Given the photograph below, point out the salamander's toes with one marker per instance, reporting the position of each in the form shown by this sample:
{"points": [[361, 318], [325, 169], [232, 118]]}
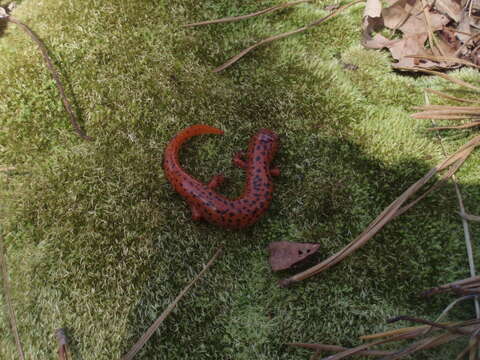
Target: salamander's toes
{"points": [[216, 181], [238, 160], [196, 214], [275, 171]]}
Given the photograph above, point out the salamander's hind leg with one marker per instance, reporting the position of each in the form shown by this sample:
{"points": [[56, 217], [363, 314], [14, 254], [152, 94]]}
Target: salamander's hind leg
{"points": [[275, 171], [239, 160], [216, 181], [196, 214]]}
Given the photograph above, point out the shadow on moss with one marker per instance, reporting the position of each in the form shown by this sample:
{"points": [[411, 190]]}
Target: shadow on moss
{"points": [[393, 268]]}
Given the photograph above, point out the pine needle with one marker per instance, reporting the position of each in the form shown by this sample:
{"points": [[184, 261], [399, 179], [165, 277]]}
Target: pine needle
{"points": [[244, 52], [243, 17]]}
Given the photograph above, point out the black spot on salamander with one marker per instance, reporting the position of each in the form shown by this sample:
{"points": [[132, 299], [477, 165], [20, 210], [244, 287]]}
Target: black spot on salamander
{"points": [[257, 158]]}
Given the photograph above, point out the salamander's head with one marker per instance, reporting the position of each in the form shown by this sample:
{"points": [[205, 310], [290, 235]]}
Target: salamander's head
{"points": [[269, 140]]}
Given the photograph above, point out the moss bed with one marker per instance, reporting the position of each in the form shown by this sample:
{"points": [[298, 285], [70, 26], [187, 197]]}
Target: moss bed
{"points": [[97, 241]]}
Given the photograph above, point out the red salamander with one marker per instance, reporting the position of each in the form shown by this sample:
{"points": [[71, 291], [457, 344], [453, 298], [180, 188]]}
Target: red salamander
{"points": [[205, 203]]}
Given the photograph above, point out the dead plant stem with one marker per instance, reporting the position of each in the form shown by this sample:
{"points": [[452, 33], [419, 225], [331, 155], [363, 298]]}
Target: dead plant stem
{"points": [[244, 52], [243, 17], [55, 75], [151, 330], [466, 230]]}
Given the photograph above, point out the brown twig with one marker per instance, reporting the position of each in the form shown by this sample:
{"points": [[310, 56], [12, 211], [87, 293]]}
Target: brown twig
{"points": [[336, 348], [356, 350], [442, 75], [444, 58], [458, 127], [428, 24], [452, 329], [450, 97], [8, 299], [55, 75], [244, 52], [469, 282], [243, 17], [470, 217], [144, 338]]}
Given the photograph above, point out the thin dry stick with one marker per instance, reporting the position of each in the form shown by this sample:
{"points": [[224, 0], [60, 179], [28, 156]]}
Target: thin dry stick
{"points": [[403, 19], [8, 299], [56, 77], [450, 97], [471, 217], [458, 127], [465, 44], [392, 211], [360, 348], [242, 53], [451, 329], [336, 348], [460, 109], [144, 338], [466, 230], [460, 283], [422, 344], [442, 75], [428, 24], [243, 17], [413, 331], [436, 116], [444, 58]]}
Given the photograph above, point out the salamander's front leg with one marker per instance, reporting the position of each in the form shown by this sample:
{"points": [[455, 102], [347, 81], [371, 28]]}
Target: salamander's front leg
{"points": [[216, 181], [239, 160], [196, 214], [275, 171]]}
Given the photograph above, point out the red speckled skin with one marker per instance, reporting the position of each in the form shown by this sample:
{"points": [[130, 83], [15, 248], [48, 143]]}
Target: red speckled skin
{"points": [[209, 205]]}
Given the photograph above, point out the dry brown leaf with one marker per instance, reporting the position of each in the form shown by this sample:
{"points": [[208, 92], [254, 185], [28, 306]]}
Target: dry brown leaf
{"points": [[409, 44], [284, 254], [452, 33], [373, 8], [451, 8], [414, 22], [397, 14]]}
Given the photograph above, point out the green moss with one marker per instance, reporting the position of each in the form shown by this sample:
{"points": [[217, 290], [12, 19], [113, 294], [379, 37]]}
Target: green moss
{"points": [[99, 243]]}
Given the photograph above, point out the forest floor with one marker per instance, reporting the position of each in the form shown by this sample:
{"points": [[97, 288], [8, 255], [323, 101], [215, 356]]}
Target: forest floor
{"points": [[97, 241]]}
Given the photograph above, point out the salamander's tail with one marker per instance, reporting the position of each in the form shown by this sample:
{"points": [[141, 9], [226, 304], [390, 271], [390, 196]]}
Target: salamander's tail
{"points": [[173, 147]]}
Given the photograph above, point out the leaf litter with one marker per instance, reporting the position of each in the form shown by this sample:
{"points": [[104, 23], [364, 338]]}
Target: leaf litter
{"points": [[440, 34]]}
